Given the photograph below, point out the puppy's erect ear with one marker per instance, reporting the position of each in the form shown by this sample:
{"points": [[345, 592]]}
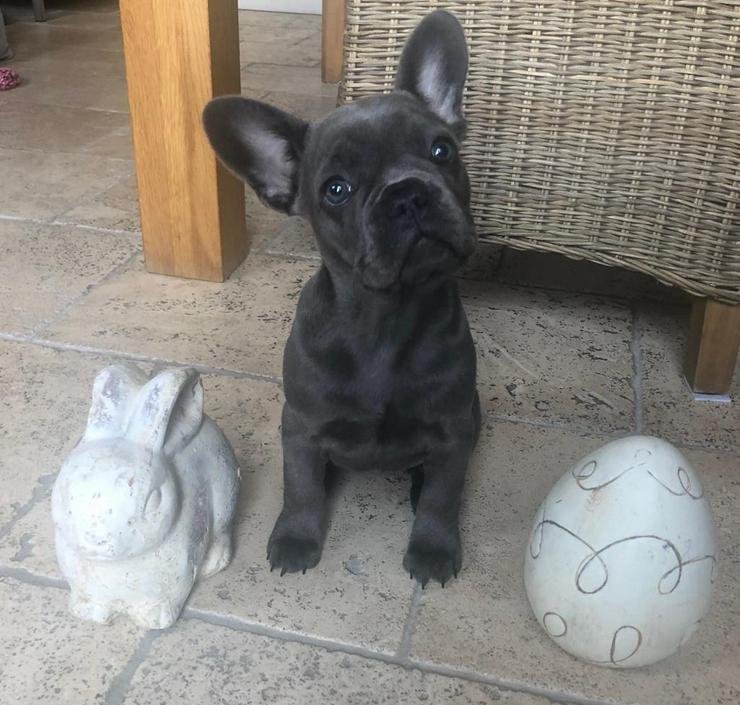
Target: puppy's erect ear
{"points": [[260, 144], [433, 66]]}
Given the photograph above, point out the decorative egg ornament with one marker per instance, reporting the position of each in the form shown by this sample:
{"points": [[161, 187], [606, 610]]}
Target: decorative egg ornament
{"points": [[621, 558]]}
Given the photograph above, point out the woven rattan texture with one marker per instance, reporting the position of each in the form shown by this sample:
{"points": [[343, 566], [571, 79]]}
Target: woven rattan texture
{"points": [[608, 131]]}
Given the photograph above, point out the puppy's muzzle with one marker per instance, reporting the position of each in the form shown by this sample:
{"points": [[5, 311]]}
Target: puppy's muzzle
{"points": [[405, 199]]}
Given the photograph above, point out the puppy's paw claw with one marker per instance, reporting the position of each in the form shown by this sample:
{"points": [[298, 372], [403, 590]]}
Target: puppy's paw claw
{"points": [[293, 554], [427, 562]]}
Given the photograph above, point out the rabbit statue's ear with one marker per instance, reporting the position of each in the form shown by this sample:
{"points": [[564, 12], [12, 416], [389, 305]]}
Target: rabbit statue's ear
{"points": [[113, 392], [168, 411]]}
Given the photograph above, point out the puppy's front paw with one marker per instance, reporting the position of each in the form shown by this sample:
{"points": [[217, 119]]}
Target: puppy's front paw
{"points": [[290, 552], [426, 560]]}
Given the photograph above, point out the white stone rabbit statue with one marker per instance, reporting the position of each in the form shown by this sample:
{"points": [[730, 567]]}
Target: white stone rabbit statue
{"points": [[143, 506]]}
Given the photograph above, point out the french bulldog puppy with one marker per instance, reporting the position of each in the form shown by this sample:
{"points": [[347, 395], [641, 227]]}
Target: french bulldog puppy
{"points": [[380, 367]]}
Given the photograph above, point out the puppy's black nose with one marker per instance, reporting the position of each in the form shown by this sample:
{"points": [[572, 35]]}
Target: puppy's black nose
{"points": [[407, 198]]}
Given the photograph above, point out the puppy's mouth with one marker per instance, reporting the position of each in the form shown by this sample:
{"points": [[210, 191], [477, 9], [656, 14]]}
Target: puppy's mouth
{"points": [[445, 250], [427, 258], [414, 230]]}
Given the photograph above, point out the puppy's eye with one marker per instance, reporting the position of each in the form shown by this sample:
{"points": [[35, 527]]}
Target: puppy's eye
{"points": [[442, 151], [337, 191]]}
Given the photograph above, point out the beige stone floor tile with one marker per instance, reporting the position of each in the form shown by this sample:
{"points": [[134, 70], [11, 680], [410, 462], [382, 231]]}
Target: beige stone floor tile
{"points": [[31, 40], [197, 662], [291, 236], [48, 656], [41, 185], [116, 144], [46, 396], [44, 268], [27, 537], [67, 13], [552, 357], [258, 78], [89, 7], [116, 208], [56, 9], [358, 594], [51, 128], [278, 21], [262, 222], [99, 85], [549, 270], [239, 325], [308, 107], [485, 618], [669, 407], [297, 46]]}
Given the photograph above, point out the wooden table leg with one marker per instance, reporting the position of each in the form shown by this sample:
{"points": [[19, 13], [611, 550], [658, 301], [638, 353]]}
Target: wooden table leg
{"points": [[714, 338], [179, 55], [333, 19]]}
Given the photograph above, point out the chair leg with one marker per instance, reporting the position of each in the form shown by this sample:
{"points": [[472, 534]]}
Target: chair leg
{"points": [[39, 11], [714, 338], [333, 19]]}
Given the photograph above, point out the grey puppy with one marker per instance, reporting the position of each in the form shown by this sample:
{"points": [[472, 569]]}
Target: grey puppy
{"points": [[379, 369]]}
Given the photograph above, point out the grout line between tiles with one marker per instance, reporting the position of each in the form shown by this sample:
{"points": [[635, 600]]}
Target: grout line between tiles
{"points": [[42, 150], [15, 338], [62, 312], [18, 218], [26, 576], [270, 379], [205, 369], [404, 648], [238, 374], [54, 221], [590, 433], [117, 690], [502, 684], [91, 108], [636, 350], [119, 685], [276, 254], [241, 625], [119, 355], [39, 492], [94, 228]]}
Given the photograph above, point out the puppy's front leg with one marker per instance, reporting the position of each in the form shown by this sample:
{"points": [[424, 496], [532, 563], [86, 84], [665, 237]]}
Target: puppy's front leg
{"points": [[434, 550], [296, 541]]}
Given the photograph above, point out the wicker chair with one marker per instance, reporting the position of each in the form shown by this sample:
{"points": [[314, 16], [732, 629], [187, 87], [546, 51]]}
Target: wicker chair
{"points": [[601, 131]]}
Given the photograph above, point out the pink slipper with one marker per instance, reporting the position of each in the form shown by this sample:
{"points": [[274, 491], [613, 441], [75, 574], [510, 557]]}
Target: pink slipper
{"points": [[8, 79]]}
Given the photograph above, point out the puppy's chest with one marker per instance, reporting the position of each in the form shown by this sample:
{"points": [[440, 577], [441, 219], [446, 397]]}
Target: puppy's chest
{"points": [[372, 382], [372, 428], [375, 410]]}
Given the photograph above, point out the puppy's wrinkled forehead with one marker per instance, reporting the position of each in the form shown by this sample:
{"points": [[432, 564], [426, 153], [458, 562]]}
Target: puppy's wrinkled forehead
{"points": [[373, 129]]}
